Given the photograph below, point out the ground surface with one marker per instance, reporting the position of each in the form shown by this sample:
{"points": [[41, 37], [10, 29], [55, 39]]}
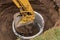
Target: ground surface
{"points": [[51, 34], [48, 9]]}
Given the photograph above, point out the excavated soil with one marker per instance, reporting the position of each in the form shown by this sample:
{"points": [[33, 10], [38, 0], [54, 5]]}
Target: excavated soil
{"points": [[47, 8], [28, 30]]}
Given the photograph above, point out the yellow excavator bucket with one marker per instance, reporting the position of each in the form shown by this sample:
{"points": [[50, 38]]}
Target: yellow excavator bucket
{"points": [[27, 8]]}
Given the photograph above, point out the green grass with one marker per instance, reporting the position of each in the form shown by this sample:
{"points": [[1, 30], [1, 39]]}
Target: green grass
{"points": [[51, 34]]}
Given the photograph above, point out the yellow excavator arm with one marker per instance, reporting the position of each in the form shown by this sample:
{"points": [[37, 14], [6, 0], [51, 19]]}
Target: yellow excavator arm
{"points": [[25, 10]]}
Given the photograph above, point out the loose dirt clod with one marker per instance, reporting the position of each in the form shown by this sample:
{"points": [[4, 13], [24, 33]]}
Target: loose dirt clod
{"points": [[28, 30]]}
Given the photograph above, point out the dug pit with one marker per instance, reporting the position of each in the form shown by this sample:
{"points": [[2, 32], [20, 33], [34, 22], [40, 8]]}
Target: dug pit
{"points": [[45, 7]]}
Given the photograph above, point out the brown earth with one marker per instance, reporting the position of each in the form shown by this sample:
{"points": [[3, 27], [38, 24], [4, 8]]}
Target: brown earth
{"points": [[47, 8], [28, 30], [57, 24]]}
